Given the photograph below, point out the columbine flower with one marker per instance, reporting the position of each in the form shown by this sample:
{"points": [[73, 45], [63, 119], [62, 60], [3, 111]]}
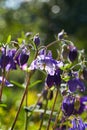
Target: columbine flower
{"points": [[75, 84], [4, 59], [72, 53], [54, 79], [5, 82], [45, 62], [12, 62], [68, 105], [78, 124], [74, 105], [23, 57]]}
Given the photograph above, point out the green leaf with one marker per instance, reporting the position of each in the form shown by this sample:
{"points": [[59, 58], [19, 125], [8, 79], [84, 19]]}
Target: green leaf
{"points": [[23, 86], [66, 66], [9, 39], [3, 105], [20, 40], [66, 78], [17, 84], [35, 83]]}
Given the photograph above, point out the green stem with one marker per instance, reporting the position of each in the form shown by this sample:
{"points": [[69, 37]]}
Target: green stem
{"points": [[34, 108], [26, 114], [23, 97], [2, 84], [56, 120], [52, 110], [43, 115], [52, 43]]}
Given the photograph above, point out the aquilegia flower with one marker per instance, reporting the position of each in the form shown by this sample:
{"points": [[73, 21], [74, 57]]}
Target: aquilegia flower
{"points": [[4, 59], [78, 124], [11, 58], [74, 105], [45, 62], [68, 105], [75, 84], [12, 62], [23, 57], [53, 79]]}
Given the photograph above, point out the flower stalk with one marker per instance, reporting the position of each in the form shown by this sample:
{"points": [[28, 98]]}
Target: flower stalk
{"points": [[48, 127]]}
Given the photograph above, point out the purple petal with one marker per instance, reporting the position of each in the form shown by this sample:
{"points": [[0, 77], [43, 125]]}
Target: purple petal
{"points": [[75, 84], [83, 99]]}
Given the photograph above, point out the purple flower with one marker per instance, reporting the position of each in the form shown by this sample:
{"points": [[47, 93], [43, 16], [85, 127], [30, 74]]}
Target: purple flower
{"points": [[68, 105], [78, 124], [12, 62], [54, 79], [23, 58], [72, 53], [5, 82], [45, 62], [4, 59], [74, 105], [75, 84], [36, 40], [17, 58]]}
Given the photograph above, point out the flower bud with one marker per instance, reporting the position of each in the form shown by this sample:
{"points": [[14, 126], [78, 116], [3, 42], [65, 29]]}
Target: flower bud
{"points": [[36, 40], [61, 35], [73, 53]]}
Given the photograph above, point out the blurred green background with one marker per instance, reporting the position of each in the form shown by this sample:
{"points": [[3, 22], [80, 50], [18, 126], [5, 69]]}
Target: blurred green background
{"points": [[46, 17]]}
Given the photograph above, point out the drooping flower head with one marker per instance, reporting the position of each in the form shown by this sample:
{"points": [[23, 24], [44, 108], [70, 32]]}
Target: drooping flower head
{"points": [[12, 62], [17, 57], [74, 105], [4, 59], [54, 79], [68, 105], [75, 84], [46, 62], [23, 57]]}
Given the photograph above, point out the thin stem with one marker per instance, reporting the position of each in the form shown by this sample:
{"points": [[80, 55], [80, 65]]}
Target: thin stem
{"points": [[79, 64], [52, 43], [56, 120], [3, 76], [52, 110], [2, 84], [34, 107], [23, 97], [26, 114], [43, 115], [24, 94]]}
